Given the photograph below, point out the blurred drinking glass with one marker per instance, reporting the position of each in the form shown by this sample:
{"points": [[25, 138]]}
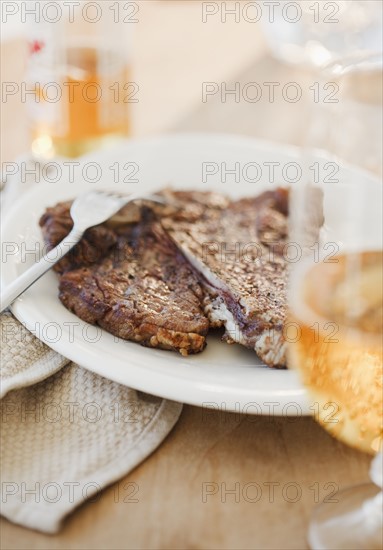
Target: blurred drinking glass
{"points": [[336, 288], [79, 71], [314, 33]]}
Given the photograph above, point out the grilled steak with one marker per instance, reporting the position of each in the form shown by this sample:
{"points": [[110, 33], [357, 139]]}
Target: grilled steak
{"points": [[131, 280], [161, 277], [56, 224], [238, 251]]}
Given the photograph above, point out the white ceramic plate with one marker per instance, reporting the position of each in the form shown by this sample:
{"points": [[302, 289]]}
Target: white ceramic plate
{"points": [[225, 377]]}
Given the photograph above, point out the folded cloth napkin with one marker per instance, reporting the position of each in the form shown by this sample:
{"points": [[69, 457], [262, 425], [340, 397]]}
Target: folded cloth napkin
{"points": [[66, 433]]}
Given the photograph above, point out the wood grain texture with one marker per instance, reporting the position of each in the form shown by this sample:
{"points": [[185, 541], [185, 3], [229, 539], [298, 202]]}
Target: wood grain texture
{"points": [[225, 449], [207, 450]]}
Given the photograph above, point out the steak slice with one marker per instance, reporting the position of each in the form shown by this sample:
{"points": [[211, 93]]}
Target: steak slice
{"points": [[237, 249], [131, 280], [56, 223], [161, 277]]}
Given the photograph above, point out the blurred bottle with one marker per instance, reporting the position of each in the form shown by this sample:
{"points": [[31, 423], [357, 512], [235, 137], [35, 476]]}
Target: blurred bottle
{"points": [[316, 33], [77, 81]]}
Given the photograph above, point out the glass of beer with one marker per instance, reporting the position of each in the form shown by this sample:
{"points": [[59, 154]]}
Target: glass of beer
{"points": [[78, 77], [336, 288]]}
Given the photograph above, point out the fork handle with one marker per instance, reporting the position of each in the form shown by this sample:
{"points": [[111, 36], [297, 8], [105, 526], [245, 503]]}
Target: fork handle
{"points": [[20, 285]]}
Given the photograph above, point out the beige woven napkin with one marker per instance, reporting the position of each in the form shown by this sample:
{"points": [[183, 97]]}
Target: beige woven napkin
{"points": [[66, 433]]}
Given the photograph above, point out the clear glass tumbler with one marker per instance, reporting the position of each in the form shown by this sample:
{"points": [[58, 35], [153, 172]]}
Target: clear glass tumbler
{"points": [[314, 33], [336, 288]]}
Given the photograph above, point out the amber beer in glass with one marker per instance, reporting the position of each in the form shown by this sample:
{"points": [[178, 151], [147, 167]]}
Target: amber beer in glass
{"points": [[336, 289], [79, 68]]}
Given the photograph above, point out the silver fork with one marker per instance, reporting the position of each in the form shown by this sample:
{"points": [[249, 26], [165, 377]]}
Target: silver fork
{"points": [[87, 210]]}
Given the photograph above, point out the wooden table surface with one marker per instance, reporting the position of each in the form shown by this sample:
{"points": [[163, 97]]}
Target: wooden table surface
{"points": [[219, 480]]}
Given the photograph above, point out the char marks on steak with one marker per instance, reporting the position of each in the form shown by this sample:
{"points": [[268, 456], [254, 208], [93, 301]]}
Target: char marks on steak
{"points": [[161, 277], [131, 280], [238, 251], [56, 223]]}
